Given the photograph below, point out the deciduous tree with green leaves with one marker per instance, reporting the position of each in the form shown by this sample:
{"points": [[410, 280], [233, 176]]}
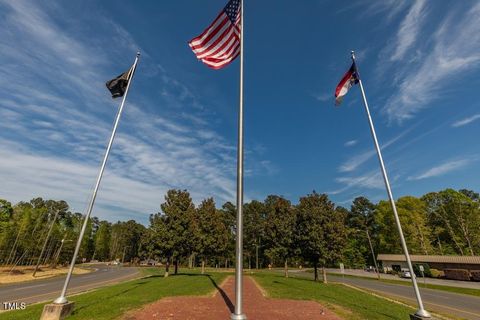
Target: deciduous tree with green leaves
{"points": [[280, 226], [455, 217], [158, 240], [212, 234], [102, 240], [413, 217], [320, 231], [361, 222], [254, 216], [229, 212], [180, 219]]}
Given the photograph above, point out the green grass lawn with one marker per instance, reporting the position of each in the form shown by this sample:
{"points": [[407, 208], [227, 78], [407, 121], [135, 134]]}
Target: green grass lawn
{"points": [[346, 302], [113, 301]]}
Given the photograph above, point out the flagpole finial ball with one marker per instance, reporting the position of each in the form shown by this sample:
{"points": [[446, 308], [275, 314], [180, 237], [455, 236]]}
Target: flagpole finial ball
{"points": [[138, 53]]}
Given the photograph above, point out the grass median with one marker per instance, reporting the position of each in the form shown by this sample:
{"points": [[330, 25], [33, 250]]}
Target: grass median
{"points": [[347, 302], [113, 301]]}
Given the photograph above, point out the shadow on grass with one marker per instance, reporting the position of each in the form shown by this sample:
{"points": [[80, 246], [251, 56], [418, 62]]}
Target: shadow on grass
{"points": [[153, 276], [138, 284], [225, 297], [191, 274]]}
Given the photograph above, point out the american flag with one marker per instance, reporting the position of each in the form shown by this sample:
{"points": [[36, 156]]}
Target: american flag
{"points": [[219, 44]]}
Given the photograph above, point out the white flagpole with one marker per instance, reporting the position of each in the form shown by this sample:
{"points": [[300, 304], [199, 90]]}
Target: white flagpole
{"points": [[62, 299], [238, 313], [421, 312]]}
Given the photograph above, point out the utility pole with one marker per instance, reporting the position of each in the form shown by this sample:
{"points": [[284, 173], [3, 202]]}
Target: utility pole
{"points": [[373, 254], [57, 255], [45, 243], [256, 253], [123, 256]]}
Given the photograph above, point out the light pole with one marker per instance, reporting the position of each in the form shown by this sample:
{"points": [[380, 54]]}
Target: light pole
{"points": [[123, 256], [45, 243], [371, 249], [373, 253], [256, 252], [57, 255]]}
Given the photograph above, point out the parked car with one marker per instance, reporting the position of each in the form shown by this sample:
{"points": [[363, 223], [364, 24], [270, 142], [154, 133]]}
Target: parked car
{"points": [[369, 269], [150, 262], [405, 274]]}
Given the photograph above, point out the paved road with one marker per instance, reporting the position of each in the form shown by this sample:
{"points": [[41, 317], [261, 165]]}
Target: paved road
{"points": [[446, 303], [442, 282], [49, 289]]}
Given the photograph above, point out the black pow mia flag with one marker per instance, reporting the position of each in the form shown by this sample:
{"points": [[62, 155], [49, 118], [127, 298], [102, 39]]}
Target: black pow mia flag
{"points": [[118, 85]]}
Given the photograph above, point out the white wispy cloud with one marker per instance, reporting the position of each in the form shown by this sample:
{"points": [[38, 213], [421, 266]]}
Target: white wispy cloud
{"points": [[56, 117], [350, 143], [442, 169], [456, 49], [466, 121], [370, 180], [357, 160], [323, 97], [367, 183], [59, 178], [409, 30], [387, 8]]}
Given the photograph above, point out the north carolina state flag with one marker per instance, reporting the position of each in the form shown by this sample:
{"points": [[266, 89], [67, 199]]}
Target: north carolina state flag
{"points": [[349, 79]]}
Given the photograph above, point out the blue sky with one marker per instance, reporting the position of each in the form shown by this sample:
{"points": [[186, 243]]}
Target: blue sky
{"points": [[419, 61]]}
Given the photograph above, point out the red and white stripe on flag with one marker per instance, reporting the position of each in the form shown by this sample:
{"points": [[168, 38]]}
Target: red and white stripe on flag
{"points": [[349, 79], [219, 44]]}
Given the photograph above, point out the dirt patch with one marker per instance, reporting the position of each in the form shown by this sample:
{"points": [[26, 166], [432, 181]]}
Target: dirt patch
{"points": [[22, 274], [220, 306], [13, 272]]}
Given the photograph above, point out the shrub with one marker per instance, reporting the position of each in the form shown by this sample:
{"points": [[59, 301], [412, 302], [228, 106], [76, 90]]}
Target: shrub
{"points": [[457, 274], [435, 273], [426, 270]]}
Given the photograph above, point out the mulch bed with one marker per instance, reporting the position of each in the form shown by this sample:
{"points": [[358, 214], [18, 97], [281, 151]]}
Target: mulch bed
{"points": [[219, 307]]}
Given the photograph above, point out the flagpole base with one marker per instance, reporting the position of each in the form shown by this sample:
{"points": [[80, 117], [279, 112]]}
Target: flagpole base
{"points": [[55, 311], [421, 315], [60, 300], [424, 314], [234, 316]]}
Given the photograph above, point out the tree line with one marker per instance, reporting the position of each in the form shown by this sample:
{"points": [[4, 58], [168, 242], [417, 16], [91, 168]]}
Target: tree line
{"points": [[26, 226], [313, 232]]}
